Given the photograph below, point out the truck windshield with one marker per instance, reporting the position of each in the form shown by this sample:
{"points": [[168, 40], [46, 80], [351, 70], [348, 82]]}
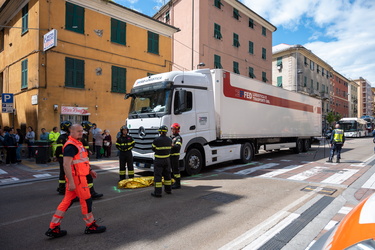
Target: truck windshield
{"points": [[150, 101]]}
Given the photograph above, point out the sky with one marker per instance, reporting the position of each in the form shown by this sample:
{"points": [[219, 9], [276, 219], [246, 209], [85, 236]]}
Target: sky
{"points": [[340, 32]]}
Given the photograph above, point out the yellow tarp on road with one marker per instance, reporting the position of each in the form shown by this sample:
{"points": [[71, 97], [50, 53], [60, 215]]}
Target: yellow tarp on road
{"points": [[138, 182]]}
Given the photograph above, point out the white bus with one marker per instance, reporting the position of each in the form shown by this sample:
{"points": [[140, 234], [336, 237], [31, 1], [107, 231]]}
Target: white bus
{"points": [[354, 127]]}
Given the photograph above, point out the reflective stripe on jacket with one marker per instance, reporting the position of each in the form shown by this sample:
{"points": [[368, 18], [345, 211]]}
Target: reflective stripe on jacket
{"points": [[177, 144], [80, 164], [162, 146]]}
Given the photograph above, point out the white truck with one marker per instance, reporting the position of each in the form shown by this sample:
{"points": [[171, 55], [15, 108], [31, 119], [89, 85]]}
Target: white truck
{"points": [[223, 117]]}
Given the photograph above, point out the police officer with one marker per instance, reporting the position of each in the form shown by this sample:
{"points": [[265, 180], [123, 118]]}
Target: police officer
{"points": [[162, 147], [337, 142], [86, 125], [175, 155], [125, 144], [64, 126]]}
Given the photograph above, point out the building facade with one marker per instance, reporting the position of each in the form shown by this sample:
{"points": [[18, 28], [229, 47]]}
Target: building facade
{"points": [[364, 97], [220, 34], [353, 99], [296, 68], [339, 100], [81, 71]]}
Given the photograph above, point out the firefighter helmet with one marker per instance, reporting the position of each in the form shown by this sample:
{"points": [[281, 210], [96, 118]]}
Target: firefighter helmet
{"points": [[86, 125], [65, 125], [163, 129], [176, 126], [124, 127]]}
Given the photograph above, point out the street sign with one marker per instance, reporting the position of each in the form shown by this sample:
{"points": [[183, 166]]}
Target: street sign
{"points": [[7, 103]]}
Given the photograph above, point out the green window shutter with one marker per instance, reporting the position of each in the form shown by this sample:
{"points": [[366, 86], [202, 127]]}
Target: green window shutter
{"points": [[217, 31], [236, 14], [80, 73], [264, 53], [305, 81], [251, 23], [25, 18], [74, 18], [264, 77], [118, 79], [279, 61], [217, 62], [264, 31], [236, 42], [24, 77], [218, 4], [251, 72], [280, 81], [118, 32], [153, 43], [236, 68], [74, 73], [251, 47]]}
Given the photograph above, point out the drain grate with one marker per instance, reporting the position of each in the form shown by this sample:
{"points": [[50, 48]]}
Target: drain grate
{"points": [[327, 191]]}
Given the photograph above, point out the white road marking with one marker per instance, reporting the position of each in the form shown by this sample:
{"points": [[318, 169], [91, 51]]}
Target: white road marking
{"points": [[2, 171], [370, 183], [340, 177], [281, 171], [345, 210], [307, 174], [251, 170], [235, 166], [41, 175], [330, 225]]}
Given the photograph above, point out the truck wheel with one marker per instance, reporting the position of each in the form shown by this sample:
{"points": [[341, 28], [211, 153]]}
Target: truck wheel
{"points": [[193, 162], [299, 147], [306, 145], [247, 152]]}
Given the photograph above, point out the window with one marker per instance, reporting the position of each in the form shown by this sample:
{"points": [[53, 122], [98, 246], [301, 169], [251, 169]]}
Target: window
{"points": [[236, 14], [317, 85], [189, 102], [218, 4], [235, 68], [322, 71], [74, 73], [118, 80], [251, 47], [217, 62], [153, 43], [264, 76], [251, 23], [305, 61], [25, 19], [312, 65], [118, 31], [317, 68], [217, 31], [236, 42], [279, 62], [312, 84], [24, 69], [251, 72], [280, 81], [167, 16], [264, 53], [1, 40], [305, 81], [74, 18], [264, 31]]}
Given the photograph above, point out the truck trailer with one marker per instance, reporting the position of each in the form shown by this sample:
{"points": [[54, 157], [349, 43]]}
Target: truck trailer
{"points": [[223, 116]]}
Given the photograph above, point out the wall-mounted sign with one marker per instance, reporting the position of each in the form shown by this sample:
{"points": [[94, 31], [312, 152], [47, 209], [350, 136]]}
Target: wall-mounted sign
{"points": [[34, 99], [50, 40], [7, 103], [65, 110]]}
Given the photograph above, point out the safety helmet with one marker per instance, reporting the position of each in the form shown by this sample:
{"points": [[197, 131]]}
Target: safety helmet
{"points": [[65, 125], [86, 125], [124, 127], [163, 129], [176, 126]]}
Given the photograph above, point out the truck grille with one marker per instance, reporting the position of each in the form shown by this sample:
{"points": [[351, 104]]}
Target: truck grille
{"points": [[143, 142]]}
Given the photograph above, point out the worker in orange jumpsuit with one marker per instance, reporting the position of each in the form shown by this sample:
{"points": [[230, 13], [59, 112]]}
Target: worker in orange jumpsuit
{"points": [[77, 167]]}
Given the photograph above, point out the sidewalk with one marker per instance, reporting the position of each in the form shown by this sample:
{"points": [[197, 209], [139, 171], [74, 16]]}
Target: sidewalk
{"points": [[28, 170]]}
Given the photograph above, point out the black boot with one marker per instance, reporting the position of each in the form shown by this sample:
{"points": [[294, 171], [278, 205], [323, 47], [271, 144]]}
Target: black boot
{"points": [[95, 195], [157, 192], [329, 159], [94, 229], [338, 160], [61, 188], [177, 183], [55, 232]]}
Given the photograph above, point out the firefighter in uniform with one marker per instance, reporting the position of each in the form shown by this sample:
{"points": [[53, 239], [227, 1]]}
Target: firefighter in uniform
{"points": [[77, 167], [337, 142], [175, 155], [86, 125], [125, 144], [64, 126], [162, 147]]}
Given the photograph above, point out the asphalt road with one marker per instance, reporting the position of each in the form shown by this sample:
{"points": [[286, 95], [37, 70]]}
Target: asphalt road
{"points": [[227, 206]]}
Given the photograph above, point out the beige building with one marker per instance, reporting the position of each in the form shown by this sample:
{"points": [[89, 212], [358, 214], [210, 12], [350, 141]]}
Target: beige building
{"points": [[296, 68], [353, 98], [365, 98], [221, 34], [81, 70]]}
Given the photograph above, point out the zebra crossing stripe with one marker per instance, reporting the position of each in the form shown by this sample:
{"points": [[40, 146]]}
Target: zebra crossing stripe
{"points": [[307, 174], [3, 172], [370, 183], [281, 171], [252, 170], [340, 177], [236, 166]]}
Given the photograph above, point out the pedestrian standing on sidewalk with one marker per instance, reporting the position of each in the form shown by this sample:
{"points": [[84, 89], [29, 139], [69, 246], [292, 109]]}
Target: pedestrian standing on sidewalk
{"points": [[76, 166], [125, 144], [30, 140], [94, 131], [53, 135], [337, 142], [44, 135], [107, 143], [19, 144], [10, 145], [99, 143]]}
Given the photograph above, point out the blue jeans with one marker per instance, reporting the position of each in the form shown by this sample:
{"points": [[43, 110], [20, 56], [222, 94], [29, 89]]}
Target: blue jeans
{"points": [[97, 149], [336, 148]]}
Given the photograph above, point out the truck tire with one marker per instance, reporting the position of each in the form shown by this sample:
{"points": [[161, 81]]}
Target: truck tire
{"points": [[193, 162], [247, 152], [306, 145], [299, 147]]}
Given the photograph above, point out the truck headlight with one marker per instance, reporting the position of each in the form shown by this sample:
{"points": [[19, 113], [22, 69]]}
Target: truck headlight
{"points": [[363, 245]]}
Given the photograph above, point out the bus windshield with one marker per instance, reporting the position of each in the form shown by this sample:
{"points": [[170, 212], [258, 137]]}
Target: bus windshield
{"points": [[349, 126], [150, 101]]}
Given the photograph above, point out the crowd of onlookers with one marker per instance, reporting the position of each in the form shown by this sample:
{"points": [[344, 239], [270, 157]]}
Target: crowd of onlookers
{"points": [[15, 145]]}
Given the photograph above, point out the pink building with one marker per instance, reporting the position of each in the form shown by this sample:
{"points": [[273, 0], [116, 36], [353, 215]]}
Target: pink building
{"points": [[221, 34]]}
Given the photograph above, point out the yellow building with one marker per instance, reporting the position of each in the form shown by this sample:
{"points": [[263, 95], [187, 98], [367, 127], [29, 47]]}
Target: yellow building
{"points": [[80, 70]]}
